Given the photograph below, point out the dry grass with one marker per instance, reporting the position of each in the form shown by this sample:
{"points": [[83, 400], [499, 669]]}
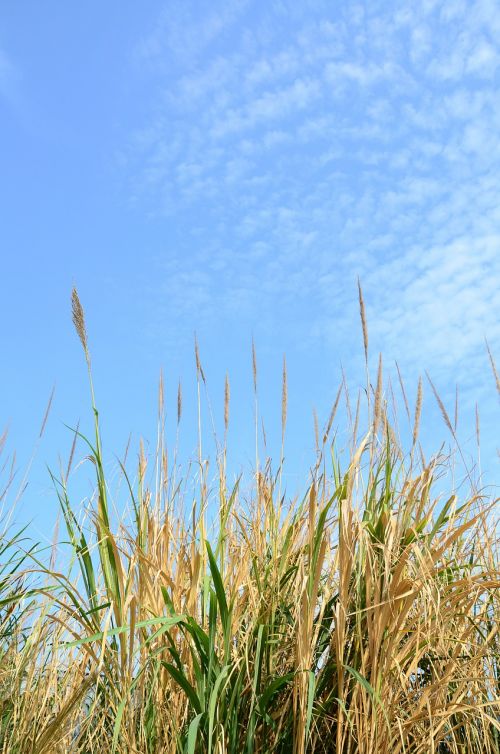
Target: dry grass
{"points": [[362, 618]]}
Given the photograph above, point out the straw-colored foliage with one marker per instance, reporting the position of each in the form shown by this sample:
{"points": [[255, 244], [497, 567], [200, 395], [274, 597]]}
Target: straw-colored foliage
{"points": [[362, 618]]}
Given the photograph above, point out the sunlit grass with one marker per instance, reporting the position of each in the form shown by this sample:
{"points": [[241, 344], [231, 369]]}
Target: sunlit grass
{"points": [[362, 617]]}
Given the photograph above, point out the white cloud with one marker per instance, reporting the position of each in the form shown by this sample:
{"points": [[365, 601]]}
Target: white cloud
{"points": [[269, 106], [183, 33], [483, 60], [367, 144]]}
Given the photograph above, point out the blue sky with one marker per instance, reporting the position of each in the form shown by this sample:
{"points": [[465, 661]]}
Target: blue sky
{"points": [[232, 168]]}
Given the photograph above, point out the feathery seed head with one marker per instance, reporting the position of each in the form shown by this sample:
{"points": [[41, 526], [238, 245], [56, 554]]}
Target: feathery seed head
{"points": [[179, 402], [161, 393], [378, 396], [199, 368], [363, 320], [418, 410], [316, 429], [284, 398], [493, 367], [254, 366], [79, 319]]}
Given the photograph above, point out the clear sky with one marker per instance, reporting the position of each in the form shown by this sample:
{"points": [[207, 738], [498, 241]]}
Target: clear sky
{"points": [[232, 168]]}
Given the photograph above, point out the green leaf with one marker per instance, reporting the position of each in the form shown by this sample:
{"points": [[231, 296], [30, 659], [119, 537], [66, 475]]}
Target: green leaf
{"points": [[180, 678], [212, 703], [272, 689], [193, 733], [219, 587], [166, 623], [369, 688], [117, 725]]}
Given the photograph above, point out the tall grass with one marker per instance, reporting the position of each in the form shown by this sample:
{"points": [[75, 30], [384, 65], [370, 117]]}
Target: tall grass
{"points": [[362, 617]]}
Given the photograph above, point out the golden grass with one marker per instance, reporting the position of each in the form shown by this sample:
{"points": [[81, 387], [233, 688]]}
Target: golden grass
{"points": [[361, 618]]}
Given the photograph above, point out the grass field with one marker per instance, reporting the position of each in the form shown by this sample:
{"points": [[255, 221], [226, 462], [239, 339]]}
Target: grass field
{"points": [[362, 617]]}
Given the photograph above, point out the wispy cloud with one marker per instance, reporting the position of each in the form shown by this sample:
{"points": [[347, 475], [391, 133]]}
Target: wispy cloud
{"points": [[184, 31], [306, 148]]}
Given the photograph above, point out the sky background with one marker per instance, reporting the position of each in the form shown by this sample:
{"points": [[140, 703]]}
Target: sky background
{"points": [[231, 169]]}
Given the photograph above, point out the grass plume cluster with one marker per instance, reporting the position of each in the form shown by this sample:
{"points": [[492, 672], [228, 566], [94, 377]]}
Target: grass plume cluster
{"points": [[361, 618]]}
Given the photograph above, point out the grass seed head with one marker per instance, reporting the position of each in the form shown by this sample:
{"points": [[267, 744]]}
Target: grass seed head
{"points": [[442, 408], [363, 320], [418, 410], [199, 368], [179, 402], [493, 368], [79, 319], [378, 396], [284, 398], [161, 393]]}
